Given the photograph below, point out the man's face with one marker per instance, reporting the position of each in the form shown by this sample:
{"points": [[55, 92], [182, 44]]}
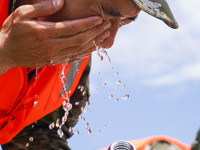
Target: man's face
{"points": [[118, 12]]}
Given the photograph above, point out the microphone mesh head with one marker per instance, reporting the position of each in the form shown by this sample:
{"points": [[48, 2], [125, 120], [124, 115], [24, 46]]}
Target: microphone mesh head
{"points": [[121, 145]]}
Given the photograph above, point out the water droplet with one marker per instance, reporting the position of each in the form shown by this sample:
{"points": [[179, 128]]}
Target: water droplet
{"points": [[77, 132], [123, 85], [117, 99], [27, 145], [83, 93], [51, 126], [87, 103], [118, 82], [70, 129], [82, 109], [88, 131], [31, 139], [51, 62], [101, 57], [82, 118], [111, 96], [82, 88], [67, 106], [77, 103], [104, 84], [64, 119], [125, 97], [60, 133], [57, 123], [79, 87], [35, 103], [116, 73], [99, 131], [66, 113]]}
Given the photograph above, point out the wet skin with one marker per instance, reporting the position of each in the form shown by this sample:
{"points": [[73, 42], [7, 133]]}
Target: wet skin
{"points": [[28, 39], [114, 11]]}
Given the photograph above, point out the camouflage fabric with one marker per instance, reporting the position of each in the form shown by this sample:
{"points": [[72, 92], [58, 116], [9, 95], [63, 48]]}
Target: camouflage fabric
{"points": [[43, 137], [159, 9], [196, 143]]}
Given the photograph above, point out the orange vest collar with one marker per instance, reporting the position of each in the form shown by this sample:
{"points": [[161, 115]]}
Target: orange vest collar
{"points": [[4, 6]]}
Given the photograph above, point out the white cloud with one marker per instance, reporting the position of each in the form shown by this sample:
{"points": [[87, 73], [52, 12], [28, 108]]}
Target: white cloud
{"points": [[184, 74]]}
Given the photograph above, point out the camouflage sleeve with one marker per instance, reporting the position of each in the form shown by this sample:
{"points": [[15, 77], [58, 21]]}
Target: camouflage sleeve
{"points": [[196, 143]]}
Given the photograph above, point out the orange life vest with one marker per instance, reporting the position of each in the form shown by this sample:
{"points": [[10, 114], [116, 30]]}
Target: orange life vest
{"points": [[17, 95]]}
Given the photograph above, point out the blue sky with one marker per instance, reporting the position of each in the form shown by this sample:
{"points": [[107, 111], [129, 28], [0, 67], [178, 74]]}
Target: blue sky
{"points": [[160, 68]]}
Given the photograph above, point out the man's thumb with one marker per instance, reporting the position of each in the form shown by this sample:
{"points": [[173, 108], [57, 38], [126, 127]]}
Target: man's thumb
{"points": [[42, 8]]}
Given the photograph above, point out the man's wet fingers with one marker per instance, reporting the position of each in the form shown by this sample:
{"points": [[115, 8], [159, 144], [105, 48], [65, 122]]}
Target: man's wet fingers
{"points": [[40, 9], [85, 37]]}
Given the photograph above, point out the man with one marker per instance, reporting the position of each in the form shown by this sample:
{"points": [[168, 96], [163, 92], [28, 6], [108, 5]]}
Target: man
{"points": [[115, 13]]}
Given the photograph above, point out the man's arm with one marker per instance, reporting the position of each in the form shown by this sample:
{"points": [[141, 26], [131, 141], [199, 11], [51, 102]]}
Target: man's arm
{"points": [[28, 42]]}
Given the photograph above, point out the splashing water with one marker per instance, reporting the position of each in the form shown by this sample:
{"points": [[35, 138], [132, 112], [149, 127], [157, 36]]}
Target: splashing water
{"points": [[77, 132], [35, 103], [99, 131], [111, 96], [125, 97], [118, 82], [87, 103], [117, 99], [87, 124], [60, 133], [83, 93], [70, 129], [77, 103], [27, 145], [67, 106], [51, 126], [89, 131], [57, 123], [123, 85], [116, 73], [31, 139]]}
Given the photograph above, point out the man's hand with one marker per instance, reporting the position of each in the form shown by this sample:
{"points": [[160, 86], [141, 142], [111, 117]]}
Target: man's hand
{"points": [[28, 42]]}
